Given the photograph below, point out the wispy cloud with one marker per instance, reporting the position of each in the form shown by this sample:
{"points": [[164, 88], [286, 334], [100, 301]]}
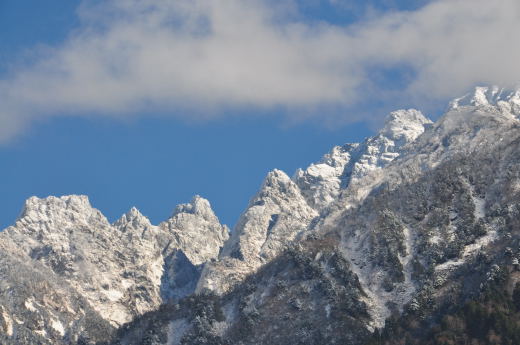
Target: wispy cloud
{"points": [[207, 57]]}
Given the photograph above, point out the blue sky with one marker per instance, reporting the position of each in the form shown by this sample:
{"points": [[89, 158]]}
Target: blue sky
{"points": [[147, 105]]}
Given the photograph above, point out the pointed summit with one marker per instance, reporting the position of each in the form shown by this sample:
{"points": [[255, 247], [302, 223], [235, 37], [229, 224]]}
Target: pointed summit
{"points": [[273, 218], [196, 230], [133, 219], [133, 213], [275, 180]]}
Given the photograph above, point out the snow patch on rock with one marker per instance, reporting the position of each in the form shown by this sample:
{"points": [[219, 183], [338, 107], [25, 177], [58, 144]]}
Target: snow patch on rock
{"points": [[58, 327], [6, 323]]}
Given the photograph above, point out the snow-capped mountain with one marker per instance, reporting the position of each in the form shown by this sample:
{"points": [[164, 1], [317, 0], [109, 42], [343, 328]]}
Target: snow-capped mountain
{"points": [[409, 223]]}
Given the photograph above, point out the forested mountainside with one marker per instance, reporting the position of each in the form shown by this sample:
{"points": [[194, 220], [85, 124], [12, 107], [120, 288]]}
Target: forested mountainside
{"points": [[410, 237]]}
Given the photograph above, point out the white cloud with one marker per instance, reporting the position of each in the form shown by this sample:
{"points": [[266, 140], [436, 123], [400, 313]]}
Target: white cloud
{"points": [[206, 57]]}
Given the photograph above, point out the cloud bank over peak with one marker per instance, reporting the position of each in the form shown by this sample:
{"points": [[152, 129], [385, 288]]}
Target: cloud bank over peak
{"points": [[207, 57]]}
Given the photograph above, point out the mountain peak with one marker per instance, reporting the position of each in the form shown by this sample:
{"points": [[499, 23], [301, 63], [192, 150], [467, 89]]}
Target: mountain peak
{"points": [[197, 206], [197, 230], [276, 176], [404, 125], [133, 217], [74, 203], [485, 96], [276, 183], [65, 200]]}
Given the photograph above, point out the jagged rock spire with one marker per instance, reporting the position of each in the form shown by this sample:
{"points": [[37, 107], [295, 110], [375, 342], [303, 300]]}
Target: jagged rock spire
{"points": [[196, 230], [133, 220]]}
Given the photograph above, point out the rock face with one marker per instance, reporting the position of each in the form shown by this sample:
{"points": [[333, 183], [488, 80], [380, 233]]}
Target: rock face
{"points": [[414, 221], [117, 270]]}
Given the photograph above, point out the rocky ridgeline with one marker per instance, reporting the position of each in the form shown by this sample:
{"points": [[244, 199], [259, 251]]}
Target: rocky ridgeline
{"points": [[119, 270], [285, 208], [408, 222]]}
